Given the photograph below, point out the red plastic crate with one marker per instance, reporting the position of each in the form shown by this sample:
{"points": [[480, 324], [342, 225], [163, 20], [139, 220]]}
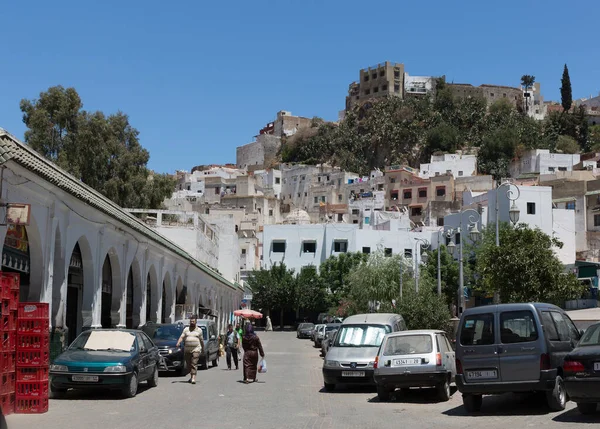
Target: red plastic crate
{"points": [[11, 280], [7, 362], [5, 292], [33, 341], [28, 389], [14, 300], [33, 326], [8, 340], [34, 310], [7, 402], [32, 374], [4, 306], [32, 358], [7, 383], [31, 405], [8, 321]]}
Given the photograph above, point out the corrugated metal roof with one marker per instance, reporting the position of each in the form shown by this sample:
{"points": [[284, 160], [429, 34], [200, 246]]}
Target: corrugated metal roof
{"points": [[564, 200], [592, 193], [12, 149]]}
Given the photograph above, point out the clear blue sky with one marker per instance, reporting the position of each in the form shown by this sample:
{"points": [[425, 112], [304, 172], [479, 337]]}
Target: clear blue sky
{"points": [[199, 78]]}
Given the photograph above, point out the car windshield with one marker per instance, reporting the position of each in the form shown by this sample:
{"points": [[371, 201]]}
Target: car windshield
{"points": [[307, 325], [591, 337], [165, 332], [104, 341], [361, 336], [331, 328], [408, 345]]}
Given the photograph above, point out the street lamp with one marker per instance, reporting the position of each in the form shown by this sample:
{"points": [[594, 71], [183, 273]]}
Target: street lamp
{"points": [[513, 215], [421, 243], [474, 236]]}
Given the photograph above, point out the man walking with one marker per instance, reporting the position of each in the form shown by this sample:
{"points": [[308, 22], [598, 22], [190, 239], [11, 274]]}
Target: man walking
{"points": [[193, 342], [232, 344]]}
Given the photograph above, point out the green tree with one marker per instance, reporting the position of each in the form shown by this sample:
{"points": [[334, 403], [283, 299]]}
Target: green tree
{"points": [[449, 269], [566, 93], [102, 151], [567, 144], [496, 152], [424, 310], [274, 289], [527, 82], [524, 268], [595, 138], [311, 294], [334, 273]]}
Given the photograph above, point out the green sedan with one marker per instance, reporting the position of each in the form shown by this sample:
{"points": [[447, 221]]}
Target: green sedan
{"points": [[106, 359]]}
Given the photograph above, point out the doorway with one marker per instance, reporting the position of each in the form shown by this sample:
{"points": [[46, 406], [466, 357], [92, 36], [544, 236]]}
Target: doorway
{"points": [[148, 298], [129, 302], [74, 294], [107, 287]]}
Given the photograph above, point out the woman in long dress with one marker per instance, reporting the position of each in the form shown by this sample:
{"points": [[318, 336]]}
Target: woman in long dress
{"points": [[252, 349]]}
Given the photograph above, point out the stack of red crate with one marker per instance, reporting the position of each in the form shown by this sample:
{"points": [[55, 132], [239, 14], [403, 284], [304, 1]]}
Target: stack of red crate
{"points": [[9, 302], [33, 358]]}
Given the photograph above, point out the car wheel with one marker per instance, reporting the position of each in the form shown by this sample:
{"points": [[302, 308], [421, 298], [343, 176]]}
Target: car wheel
{"points": [[472, 403], [557, 397], [586, 407], [57, 393], [383, 393], [329, 387], [153, 381], [130, 390], [443, 391]]}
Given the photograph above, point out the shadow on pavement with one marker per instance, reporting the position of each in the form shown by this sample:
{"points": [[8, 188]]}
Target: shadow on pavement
{"points": [[414, 396], [509, 404], [97, 395], [574, 416], [349, 389]]}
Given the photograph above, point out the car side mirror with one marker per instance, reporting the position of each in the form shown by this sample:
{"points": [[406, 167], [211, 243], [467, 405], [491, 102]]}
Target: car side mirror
{"points": [[581, 332]]}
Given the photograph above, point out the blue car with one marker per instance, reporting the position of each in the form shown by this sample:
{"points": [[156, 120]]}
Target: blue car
{"points": [[114, 359]]}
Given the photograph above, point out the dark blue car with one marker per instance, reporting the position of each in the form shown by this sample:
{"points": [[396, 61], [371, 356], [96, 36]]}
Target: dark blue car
{"points": [[106, 358]]}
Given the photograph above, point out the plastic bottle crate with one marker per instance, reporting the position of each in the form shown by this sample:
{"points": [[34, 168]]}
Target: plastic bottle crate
{"points": [[33, 341], [32, 358], [4, 306], [14, 300], [11, 280], [33, 326], [9, 340], [34, 310], [29, 389], [7, 402], [7, 362], [5, 293], [7, 383], [33, 374], [31, 405], [8, 321]]}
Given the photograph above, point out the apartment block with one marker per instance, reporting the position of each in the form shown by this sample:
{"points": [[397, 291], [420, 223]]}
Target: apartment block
{"points": [[491, 93], [286, 125], [375, 82], [541, 161], [458, 165]]}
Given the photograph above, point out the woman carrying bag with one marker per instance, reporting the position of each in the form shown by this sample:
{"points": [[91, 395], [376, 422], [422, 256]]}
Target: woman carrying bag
{"points": [[252, 349]]}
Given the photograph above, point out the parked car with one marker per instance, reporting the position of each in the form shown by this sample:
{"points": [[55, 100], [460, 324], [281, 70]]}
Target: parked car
{"points": [[165, 337], [106, 358], [351, 356], [316, 331], [319, 333], [211, 341], [319, 336], [513, 348], [581, 370], [329, 336], [305, 330], [415, 359]]}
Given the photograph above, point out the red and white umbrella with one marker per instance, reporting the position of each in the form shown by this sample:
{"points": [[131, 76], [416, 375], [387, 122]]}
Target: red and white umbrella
{"points": [[248, 314]]}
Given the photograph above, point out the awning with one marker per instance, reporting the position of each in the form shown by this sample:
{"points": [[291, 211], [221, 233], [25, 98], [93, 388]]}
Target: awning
{"points": [[592, 193], [415, 205], [564, 200]]}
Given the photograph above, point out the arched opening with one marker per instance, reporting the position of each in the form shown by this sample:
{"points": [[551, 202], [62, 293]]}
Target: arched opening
{"points": [[148, 298], [107, 289], [163, 317], [129, 302], [58, 281], [181, 307], [15, 257], [73, 318]]}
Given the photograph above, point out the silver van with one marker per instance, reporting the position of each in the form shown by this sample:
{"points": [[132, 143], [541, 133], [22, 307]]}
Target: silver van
{"points": [[351, 356], [513, 348], [211, 341]]}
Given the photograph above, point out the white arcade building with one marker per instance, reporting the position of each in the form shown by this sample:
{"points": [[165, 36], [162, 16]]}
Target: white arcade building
{"points": [[96, 264]]}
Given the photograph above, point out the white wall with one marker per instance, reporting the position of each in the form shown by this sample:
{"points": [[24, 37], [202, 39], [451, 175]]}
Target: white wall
{"points": [[459, 165], [543, 162], [564, 230]]}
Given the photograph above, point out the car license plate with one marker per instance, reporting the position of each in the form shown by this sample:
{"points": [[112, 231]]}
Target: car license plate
{"points": [[596, 366], [353, 373], [400, 362], [88, 378], [477, 375]]}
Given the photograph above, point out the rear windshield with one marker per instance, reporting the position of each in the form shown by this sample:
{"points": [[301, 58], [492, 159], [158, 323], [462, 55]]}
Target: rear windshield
{"points": [[306, 325], [477, 330], [591, 336], [408, 345], [331, 328], [361, 335]]}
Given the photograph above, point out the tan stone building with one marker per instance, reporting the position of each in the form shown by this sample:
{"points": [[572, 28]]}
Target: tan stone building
{"points": [[378, 81], [491, 93]]}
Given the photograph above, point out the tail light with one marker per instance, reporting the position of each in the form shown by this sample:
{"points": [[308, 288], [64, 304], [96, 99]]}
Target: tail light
{"points": [[376, 363], [571, 366], [545, 361], [459, 368], [438, 359]]}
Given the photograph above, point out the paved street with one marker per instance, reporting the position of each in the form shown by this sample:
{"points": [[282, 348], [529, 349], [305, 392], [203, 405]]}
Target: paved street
{"points": [[289, 396]]}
